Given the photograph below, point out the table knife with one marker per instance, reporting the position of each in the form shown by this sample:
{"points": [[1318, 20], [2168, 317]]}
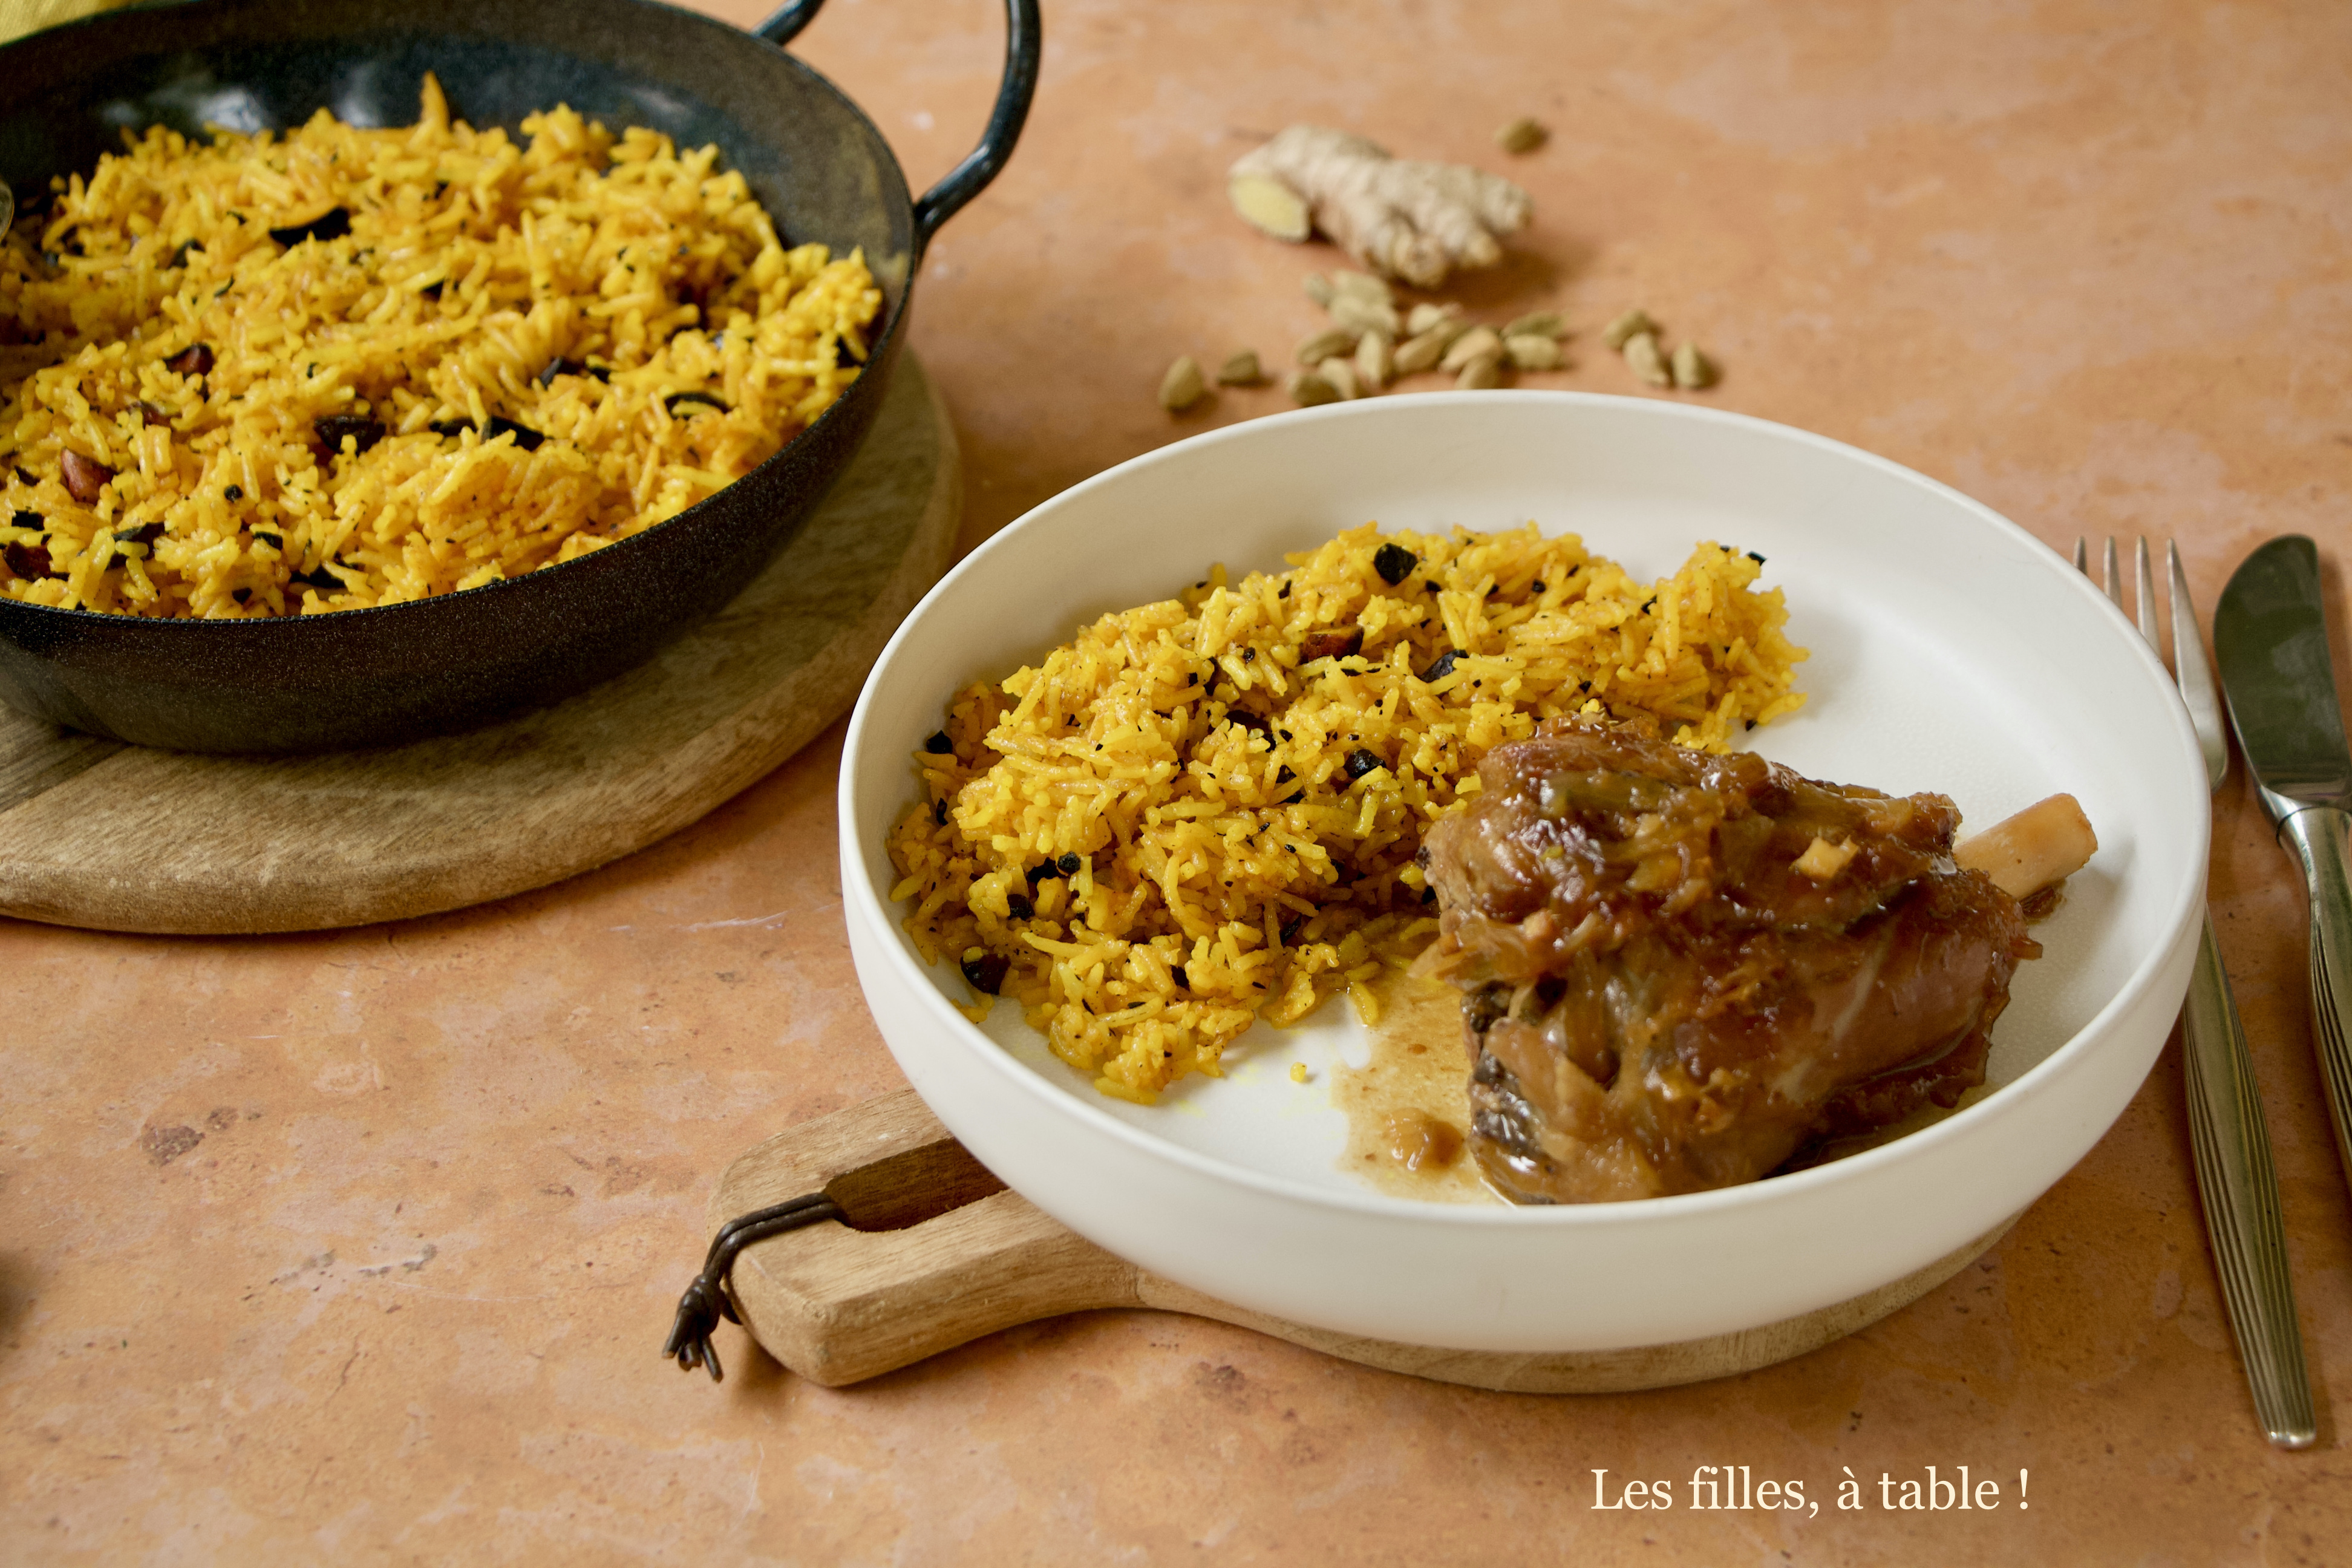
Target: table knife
{"points": [[2269, 638]]}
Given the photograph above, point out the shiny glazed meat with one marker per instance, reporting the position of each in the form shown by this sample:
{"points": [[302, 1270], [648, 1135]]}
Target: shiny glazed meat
{"points": [[1679, 969]]}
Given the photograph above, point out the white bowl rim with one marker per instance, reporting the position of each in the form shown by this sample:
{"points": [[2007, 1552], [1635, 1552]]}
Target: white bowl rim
{"points": [[2186, 899]]}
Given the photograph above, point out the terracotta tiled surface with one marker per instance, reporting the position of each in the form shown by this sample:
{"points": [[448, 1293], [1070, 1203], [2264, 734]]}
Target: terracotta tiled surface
{"points": [[402, 1299]]}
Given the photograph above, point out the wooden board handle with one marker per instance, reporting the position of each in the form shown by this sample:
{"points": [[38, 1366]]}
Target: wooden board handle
{"points": [[936, 1251]]}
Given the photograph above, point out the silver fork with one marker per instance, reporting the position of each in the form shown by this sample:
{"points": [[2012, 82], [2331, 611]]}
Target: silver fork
{"points": [[2236, 1183]]}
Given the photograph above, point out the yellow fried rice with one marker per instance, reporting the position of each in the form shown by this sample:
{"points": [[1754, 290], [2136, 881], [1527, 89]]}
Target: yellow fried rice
{"points": [[1206, 811], [345, 367]]}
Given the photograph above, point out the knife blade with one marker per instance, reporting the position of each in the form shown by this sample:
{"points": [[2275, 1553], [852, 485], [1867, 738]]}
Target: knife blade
{"points": [[2270, 639]]}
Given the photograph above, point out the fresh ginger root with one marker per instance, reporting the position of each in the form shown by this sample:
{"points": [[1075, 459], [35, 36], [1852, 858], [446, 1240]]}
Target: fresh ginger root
{"points": [[1404, 219]]}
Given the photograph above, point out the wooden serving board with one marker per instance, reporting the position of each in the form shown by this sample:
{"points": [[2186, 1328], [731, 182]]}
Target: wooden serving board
{"points": [[94, 833], [936, 1252]]}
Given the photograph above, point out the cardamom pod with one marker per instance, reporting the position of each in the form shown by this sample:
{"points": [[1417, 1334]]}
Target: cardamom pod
{"points": [[1471, 345], [1419, 354], [1641, 354], [1425, 316], [1483, 370], [1538, 324], [1524, 134], [1634, 321], [1180, 387], [1364, 315], [1322, 346], [1692, 369], [1532, 351], [1306, 389], [1240, 369]]}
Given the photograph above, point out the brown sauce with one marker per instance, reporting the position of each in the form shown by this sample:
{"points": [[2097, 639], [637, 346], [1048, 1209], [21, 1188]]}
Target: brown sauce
{"points": [[1408, 1107]]}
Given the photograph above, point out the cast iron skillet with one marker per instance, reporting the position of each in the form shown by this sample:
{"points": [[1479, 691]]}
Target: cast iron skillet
{"points": [[397, 673]]}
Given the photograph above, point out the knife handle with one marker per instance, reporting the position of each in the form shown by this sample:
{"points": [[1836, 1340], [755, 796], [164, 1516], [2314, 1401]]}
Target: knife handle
{"points": [[2319, 839], [2238, 1187]]}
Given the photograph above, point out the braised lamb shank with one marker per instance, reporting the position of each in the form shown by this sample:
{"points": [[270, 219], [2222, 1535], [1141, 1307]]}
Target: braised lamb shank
{"points": [[1679, 969]]}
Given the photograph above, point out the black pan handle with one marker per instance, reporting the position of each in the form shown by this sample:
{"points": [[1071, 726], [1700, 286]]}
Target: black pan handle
{"points": [[1024, 39], [785, 27]]}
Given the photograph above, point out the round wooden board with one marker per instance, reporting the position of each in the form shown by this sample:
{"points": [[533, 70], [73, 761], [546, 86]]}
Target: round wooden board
{"points": [[94, 833]]}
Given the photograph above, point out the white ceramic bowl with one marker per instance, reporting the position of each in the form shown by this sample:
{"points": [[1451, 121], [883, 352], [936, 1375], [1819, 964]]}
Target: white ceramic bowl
{"points": [[1950, 651]]}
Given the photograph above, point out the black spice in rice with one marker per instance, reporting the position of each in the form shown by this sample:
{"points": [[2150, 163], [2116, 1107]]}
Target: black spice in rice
{"points": [[332, 224], [525, 438], [1394, 562], [987, 972], [335, 429]]}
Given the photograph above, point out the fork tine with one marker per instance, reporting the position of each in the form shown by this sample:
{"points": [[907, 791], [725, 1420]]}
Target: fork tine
{"points": [[2115, 577], [2144, 589], [2196, 677], [2082, 555]]}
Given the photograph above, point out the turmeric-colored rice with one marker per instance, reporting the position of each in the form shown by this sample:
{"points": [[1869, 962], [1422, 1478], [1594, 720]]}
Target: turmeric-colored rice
{"points": [[460, 358], [1184, 819]]}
